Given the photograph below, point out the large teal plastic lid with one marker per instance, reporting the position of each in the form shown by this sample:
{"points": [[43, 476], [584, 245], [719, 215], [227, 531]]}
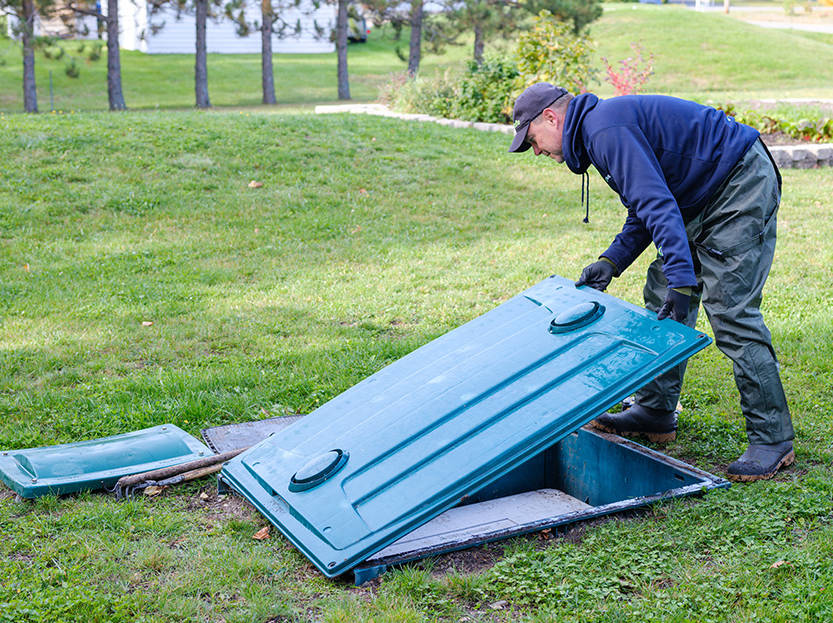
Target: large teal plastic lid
{"points": [[96, 463], [408, 442]]}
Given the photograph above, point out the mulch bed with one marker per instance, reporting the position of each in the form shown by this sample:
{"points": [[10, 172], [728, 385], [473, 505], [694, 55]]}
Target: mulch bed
{"points": [[779, 138]]}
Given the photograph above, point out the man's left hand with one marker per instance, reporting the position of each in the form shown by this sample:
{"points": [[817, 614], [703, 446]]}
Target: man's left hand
{"points": [[675, 306]]}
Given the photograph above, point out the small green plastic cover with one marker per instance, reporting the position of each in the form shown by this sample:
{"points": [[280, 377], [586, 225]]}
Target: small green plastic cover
{"points": [[410, 441], [96, 463]]}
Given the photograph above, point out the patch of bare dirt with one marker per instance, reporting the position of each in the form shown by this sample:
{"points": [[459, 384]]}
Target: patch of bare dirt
{"points": [[469, 561], [21, 557], [779, 138], [220, 507]]}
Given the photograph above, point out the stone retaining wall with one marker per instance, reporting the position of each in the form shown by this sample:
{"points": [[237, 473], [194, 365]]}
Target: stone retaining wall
{"points": [[805, 156], [809, 156]]}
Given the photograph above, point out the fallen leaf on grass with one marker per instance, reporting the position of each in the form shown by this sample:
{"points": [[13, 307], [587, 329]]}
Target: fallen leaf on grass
{"points": [[363, 192], [177, 543], [255, 184], [779, 563], [499, 605], [153, 490], [261, 534], [203, 496]]}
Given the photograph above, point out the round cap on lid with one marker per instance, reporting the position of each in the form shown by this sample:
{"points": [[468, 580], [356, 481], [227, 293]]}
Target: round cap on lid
{"points": [[576, 317], [317, 470]]}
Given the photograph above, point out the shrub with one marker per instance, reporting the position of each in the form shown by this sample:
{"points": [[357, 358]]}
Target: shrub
{"points": [[550, 52], [94, 50], [579, 13], [71, 68], [633, 72], [54, 52], [434, 95], [794, 123], [389, 91], [90, 49], [482, 93], [485, 92]]}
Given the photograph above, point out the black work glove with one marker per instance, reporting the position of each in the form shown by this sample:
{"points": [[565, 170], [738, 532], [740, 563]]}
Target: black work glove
{"points": [[675, 306], [598, 275]]}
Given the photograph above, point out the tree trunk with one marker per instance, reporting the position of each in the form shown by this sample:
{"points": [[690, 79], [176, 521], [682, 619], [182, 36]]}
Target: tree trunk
{"points": [[416, 37], [201, 61], [114, 94], [478, 43], [30, 92], [266, 72], [341, 49]]}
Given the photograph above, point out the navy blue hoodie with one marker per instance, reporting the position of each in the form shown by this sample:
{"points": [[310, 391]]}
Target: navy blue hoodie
{"points": [[665, 157]]}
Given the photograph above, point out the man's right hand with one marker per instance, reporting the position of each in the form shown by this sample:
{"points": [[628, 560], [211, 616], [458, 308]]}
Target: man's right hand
{"points": [[598, 275]]}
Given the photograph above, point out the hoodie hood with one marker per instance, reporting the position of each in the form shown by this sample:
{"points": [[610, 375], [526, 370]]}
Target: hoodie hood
{"points": [[572, 144]]}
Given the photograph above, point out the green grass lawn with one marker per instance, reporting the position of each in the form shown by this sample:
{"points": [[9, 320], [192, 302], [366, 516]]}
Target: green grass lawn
{"points": [[167, 80], [369, 238], [712, 56], [707, 56], [273, 300]]}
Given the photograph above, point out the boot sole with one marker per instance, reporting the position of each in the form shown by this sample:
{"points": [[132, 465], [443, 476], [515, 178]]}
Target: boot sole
{"points": [[786, 460], [654, 437]]}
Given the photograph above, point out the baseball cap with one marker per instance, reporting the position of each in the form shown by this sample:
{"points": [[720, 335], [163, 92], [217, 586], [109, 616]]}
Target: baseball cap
{"points": [[529, 105]]}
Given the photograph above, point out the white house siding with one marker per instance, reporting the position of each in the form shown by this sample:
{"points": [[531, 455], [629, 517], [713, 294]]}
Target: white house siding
{"points": [[12, 23], [178, 35], [56, 28], [133, 22], [91, 25]]}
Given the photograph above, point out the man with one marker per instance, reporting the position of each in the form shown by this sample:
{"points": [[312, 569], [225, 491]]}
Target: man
{"points": [[705, 191]]}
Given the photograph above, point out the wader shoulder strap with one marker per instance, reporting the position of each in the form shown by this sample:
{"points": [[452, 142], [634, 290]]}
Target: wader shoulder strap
{"points": [[774, 166]]}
